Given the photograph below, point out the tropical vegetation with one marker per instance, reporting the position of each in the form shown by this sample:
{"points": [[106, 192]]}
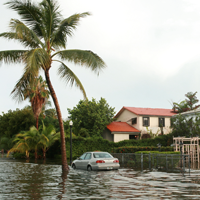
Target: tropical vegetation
{"points": [[35, 140], [185, 126], [91, 117], [15, 121], [188, 104], [43, 32]]}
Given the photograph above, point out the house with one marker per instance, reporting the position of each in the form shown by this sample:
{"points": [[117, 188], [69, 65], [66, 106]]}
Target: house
{"points": [[132, 121]]}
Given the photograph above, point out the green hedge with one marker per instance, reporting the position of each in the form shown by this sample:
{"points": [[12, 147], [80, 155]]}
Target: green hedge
{"points": [[133, 149], [158, 152], [81, 145], [164, 140]]}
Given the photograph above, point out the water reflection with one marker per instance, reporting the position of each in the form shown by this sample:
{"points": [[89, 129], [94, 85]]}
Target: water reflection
{"points": [[21, 180]]}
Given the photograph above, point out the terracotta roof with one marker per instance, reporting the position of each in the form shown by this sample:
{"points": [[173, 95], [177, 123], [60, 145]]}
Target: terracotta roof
{"points": [[121, 127], [148, 111]]}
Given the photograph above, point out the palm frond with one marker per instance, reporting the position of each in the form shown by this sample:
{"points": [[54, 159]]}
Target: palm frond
{"points": [[51, 16], [70, 77], [37, 58], [24, 34], [30, 13], [23, 84], [83, 57], [12, 56], [65, 28]]}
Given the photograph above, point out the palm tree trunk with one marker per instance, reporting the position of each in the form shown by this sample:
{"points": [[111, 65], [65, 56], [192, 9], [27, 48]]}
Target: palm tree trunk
{"points": [[37, 122], [62, 135], [36, 154], [44, 154]]}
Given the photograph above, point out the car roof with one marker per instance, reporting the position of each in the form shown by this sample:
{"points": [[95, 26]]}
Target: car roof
{"points": [[96, 152]]}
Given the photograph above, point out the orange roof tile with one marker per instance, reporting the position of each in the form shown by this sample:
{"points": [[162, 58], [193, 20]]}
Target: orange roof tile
{"points": [[121, 127], [148, 111]]}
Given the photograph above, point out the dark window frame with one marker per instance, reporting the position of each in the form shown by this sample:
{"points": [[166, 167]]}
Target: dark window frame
{"points": [[134, 120], [161, 123], [146, 122], [132, 137]]}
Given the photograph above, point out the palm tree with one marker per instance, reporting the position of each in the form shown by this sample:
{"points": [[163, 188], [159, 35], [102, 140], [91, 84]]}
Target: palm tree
{"points": [[21, 145], [48, 137], [44, 32], [33, 138], [37, 93]]}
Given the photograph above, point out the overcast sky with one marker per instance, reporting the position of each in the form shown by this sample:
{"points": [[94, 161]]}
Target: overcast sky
{"points": [[151, 49]]}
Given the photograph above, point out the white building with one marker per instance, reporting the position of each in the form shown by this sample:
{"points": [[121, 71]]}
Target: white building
{"points": [[132, 120]]}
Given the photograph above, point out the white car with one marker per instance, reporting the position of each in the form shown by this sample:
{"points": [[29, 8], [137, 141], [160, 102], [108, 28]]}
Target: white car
{"points": [[96, 160]]}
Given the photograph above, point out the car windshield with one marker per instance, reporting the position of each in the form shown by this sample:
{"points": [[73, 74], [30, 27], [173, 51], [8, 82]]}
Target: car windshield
{"points": [[102, 155]]}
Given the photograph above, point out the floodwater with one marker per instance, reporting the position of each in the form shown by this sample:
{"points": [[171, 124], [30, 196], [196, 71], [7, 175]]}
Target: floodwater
{"points": [[21, 180]]}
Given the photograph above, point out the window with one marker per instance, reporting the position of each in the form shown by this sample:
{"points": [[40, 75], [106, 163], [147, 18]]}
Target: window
{"points": [[134, 120], [102, 155], [132, 137], [88, 156], [82, 157], [145, 121], [161, 122]]}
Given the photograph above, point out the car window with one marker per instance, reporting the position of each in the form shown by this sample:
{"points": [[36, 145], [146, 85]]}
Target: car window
{"points": [[83, 156], [102, 155], [88, 156]]}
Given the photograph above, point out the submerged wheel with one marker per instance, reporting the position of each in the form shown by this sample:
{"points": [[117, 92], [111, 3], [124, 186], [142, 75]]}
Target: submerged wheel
{"points": [[74, 166], [89, 168]]}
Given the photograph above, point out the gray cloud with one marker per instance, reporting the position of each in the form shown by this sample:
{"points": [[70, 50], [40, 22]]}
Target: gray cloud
{"points": [[151, 49]]}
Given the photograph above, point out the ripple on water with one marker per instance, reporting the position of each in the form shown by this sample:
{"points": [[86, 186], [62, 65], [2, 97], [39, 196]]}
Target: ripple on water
{"points": [[20, 180]]}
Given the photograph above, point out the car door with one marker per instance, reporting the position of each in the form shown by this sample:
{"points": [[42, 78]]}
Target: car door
{"points": [[86, 160], [79, 161]]}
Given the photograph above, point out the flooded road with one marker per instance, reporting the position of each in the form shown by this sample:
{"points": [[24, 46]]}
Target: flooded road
{"points": [[21, 180]]}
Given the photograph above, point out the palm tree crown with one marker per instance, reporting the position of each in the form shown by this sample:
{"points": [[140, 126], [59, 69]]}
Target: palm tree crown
{"points": [[43, 32], [37, 92]]}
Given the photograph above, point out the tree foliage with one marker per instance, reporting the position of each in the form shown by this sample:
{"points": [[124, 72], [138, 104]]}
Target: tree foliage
{"points": [[91, 116], [12, 122], [185, 126], [188, 104], [34, 140]]}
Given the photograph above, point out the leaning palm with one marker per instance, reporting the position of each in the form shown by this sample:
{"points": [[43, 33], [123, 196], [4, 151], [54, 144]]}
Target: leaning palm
{"points": [[44, 33]]}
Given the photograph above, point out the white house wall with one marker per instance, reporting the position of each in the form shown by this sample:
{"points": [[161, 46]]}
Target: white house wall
{"points": [[120, 137], [154, 126], [126, 116]]}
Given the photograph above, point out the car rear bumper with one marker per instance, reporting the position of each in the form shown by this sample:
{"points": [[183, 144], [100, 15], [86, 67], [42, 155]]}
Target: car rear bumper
{"points": [[105, 167]]}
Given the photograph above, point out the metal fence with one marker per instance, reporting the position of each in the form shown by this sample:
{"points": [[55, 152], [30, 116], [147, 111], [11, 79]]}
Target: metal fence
{"points": [[163, 162]]}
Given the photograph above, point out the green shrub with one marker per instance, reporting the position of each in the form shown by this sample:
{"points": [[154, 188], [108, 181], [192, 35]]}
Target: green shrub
{"points": [[157, 152], [81, 145], [133, 149]]}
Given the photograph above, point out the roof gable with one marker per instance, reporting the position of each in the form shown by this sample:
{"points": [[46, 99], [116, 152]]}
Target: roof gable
{"points": [[121, 127], [148, 111]]}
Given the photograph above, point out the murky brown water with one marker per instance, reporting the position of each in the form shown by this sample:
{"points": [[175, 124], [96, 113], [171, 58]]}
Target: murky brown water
{"points": [[20, 180]]}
